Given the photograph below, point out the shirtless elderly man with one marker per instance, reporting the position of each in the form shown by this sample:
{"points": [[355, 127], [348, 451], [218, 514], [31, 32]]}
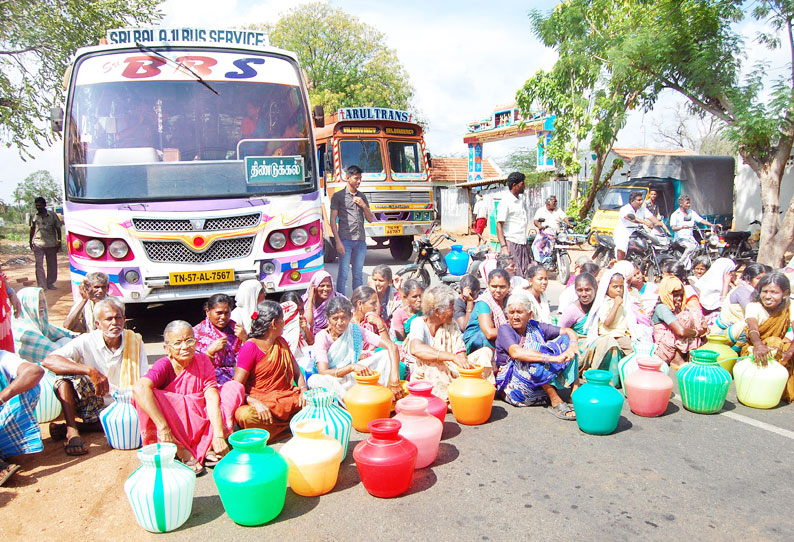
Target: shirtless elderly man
{"points": [[90, 367]]}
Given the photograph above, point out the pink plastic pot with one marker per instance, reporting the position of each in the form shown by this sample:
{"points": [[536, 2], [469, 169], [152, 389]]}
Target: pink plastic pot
{"points": [[648, 389], [435, 406], [420, 428]]}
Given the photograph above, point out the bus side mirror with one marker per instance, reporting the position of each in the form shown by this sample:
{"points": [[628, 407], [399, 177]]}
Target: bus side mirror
{"points": [[56, 119], [319, 116], [429, 160], [329, 162]]}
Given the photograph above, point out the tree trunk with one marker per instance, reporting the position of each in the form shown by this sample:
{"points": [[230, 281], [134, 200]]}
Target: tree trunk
{"points": [[574, 186], [596, 186], [776, 234]]}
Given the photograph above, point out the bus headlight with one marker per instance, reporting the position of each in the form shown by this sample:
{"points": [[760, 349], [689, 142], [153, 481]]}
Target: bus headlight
{"points": [[268, 268], [277, 240], [118, 249], [132, 277], [95, 248], [299, 237]]}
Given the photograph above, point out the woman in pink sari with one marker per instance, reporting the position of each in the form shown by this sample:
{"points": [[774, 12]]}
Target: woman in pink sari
{"points": [[178, 401]]}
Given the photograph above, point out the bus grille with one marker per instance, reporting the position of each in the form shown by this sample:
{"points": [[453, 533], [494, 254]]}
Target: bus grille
{"points": [[397, 196], [178, 252], [210, 224]]}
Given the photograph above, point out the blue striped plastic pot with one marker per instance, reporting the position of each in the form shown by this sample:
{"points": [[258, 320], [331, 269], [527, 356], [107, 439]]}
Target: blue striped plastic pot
{"points": [[703, 383], [49, 407], [161, 489], [320, 405], [120, 422]]}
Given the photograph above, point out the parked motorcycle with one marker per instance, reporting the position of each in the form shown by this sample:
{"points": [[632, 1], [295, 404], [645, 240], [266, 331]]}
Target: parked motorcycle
{"points": [[737, 246], [551, 250], [429, 257], [646, 251], [605, 249]]}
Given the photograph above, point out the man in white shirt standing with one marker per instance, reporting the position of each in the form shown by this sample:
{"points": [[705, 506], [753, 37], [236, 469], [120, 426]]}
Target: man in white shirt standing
{"points": [[512, 222], [631, 217], [92, 365], [682, 222]]}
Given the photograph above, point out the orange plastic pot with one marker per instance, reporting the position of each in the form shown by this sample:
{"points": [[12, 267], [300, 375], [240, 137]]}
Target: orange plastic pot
{"points": [[471, 397], [367, 401]]}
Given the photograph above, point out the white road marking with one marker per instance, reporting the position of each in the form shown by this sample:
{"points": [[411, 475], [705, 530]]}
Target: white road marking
{"points": [[750, 421]]}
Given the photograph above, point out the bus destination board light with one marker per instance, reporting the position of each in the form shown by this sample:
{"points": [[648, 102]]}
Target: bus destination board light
{"points": [[220, 36]]}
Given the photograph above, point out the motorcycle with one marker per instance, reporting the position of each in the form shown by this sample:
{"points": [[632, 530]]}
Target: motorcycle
{"points": [[605, 249], [646, 251], [429, 256], [737, 246], [709, 245], [551, 251]]}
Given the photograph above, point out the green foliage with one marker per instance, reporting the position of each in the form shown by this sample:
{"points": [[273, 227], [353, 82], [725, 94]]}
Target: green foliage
{"points": [[588, 99], [39, 183], [37, 40], [345, 59], [574, 211], [523, 159]]}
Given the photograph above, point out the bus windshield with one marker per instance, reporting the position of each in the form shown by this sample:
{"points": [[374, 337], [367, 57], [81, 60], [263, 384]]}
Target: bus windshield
{"points": [[364, 153], [405, 158], [141, 127]]}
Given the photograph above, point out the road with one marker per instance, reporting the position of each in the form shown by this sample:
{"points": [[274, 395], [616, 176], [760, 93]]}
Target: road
{"points": [[527, 475]]}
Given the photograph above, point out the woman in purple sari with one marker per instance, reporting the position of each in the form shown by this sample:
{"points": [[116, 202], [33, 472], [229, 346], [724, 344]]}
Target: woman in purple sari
{"points": [[321, 290], [220, 337]]}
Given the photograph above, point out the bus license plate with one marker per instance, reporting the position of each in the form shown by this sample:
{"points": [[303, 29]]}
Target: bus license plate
{"points": [[392, 229], [200, 277]]}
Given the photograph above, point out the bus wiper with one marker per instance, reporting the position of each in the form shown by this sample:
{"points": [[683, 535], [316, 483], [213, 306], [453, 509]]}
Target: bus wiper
{"points": [[178, 64]]}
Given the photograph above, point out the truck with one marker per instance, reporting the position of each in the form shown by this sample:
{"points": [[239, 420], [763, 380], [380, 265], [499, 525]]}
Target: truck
{"points": [[707, 180], [189, 165], [388, 145]]}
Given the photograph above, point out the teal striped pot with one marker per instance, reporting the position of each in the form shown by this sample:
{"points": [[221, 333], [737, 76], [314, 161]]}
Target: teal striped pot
{"points": [[161, 489], [49, 407], [703, 383], [120, 422], [320, 405]]}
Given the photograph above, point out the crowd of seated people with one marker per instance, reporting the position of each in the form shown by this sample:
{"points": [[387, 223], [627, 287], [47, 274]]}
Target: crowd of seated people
{"points": [[249, 361]]}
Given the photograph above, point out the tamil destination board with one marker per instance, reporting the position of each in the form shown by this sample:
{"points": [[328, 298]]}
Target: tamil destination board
{"points": [[274, 169]]}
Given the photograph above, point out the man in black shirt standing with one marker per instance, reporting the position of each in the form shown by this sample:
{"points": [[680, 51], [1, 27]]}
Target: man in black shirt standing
{"points": [[351, 208]]}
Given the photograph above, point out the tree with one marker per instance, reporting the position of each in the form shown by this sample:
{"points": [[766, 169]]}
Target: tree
{"points": [[586, 97], [523, 159], [345, 59], [39, 183], [37, 40], [694, 48], [703, 133]]}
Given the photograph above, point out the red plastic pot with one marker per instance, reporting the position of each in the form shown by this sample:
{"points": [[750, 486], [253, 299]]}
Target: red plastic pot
{"points": [[385, 461], [435, 406]]}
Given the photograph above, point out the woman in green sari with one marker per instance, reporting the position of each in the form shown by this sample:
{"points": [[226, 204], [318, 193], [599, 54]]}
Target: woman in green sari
{"points": [[602, 353]]}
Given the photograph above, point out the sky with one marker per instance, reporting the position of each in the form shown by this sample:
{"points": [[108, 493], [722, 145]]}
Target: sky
{"points": [[464, 59]]}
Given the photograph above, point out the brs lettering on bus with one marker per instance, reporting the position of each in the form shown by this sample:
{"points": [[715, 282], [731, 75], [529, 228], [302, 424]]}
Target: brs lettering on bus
{"points": [[144, 66]]}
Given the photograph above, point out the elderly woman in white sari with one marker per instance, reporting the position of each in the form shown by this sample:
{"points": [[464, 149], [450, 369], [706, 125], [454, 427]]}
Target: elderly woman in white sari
{"points": [[714, 286], [434, 344], [339, 350]]}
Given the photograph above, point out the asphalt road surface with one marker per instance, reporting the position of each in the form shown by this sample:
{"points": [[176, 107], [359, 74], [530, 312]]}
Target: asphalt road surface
{"points": [[525, 475]]}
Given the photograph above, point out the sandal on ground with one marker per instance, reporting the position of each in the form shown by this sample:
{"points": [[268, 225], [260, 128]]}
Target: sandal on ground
{"points": [[7, 470], [57, 431], [195, 465], [561, 411], [211, 459], [75, 446]]}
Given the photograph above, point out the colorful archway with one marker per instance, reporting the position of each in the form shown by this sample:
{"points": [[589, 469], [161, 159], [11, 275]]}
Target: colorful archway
{"points": [[507, 123]]}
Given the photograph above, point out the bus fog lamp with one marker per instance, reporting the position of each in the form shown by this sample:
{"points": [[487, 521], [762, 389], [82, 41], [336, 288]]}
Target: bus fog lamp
{"points": [[299, 237], [77, 244], [118, 249], [95, 248], [268, 268], [132, 277], [295, 276], [277, 240]]}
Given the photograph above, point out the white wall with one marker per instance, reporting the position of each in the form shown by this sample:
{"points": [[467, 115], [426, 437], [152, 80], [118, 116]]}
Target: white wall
{"points": [[747, 195], [455, 210]]}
